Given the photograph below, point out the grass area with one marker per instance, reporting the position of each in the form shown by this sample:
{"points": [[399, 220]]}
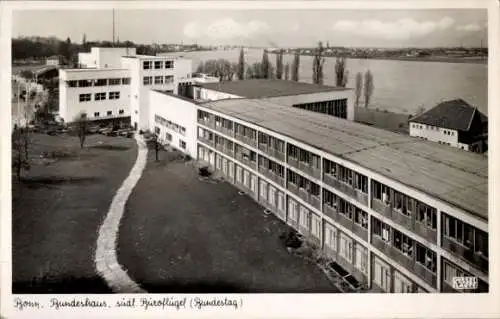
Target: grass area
{"points": [[181, 234], [57, 210], [395, 122]]}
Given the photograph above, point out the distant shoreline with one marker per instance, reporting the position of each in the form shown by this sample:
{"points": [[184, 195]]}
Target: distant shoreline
{"points": [[472, 60]]}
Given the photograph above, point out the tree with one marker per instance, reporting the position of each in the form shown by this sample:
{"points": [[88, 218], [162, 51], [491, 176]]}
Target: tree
{"points": [[20, 147], [265, 66], [279, 64], [295, 66], [341, 72], [157, 145], [241, 65], [318, 62], [287, 71], [359, 88], [81, 125], [221, 68], [369, 87]]}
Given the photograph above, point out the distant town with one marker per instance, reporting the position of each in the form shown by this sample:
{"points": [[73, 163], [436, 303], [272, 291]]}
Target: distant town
{"points": [[42, 47]]}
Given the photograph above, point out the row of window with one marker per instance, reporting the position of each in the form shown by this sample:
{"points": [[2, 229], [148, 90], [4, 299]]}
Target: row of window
{"points": [[109, 113], [466, 235], [345, 208], [98, 82], [303, 183], [432, 128], [348, 249], [272, 166], [160, 79], [346, 175], [424, 256], [272, 142], [337, 108], [304, 156], [148, 65], [245, 131], [170, 125], [101, 96], [406, 205]]}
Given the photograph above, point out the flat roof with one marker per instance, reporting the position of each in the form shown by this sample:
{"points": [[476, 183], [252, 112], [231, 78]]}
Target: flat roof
{"points": [[457, 177], [261, 88], [180, 97], [94, 69]]}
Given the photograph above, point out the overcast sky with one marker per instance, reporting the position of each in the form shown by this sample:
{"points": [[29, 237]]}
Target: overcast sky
{"points": [[359, 28]]}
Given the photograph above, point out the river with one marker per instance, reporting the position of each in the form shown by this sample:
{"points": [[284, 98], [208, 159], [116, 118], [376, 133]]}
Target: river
{"points": [[400, 86]]}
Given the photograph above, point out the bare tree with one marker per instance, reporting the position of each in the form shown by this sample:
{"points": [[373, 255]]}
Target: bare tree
{"points": [[295, 66], [81, 125], [221, 68], [369, 87], [359, 88], [318, 63], [341, 73], [241, 65], [287, 71], [279, 64], [20, 147]]}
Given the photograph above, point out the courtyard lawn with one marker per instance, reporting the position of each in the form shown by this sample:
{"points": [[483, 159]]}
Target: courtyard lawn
{"points": [[180, 234], [57, 210]]}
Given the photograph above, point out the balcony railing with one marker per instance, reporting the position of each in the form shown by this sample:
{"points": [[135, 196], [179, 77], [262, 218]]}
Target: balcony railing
{"points": [[308, 169], [381, 245], [245, 139], [346, 222], [479, 260], [330, 212], [246, 160], [272, 152], [293, 188], [382, 208], [309, 198], [274, 177], [426, 232], [207, 122], [403, 220], [360, 231], [206, 140], [224, 149], [402, 259], [224, 130], [425, 274]]}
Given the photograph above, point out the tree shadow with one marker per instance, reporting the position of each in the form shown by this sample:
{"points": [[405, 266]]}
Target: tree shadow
{"points": [[111, 147], [48, 181]]}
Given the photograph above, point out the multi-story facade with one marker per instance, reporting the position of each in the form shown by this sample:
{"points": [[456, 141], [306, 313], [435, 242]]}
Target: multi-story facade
{"points": [[398, 214], [115, 85]]}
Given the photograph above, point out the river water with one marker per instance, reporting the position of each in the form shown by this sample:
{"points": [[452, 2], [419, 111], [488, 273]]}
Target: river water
{"points": [[400, 86]]}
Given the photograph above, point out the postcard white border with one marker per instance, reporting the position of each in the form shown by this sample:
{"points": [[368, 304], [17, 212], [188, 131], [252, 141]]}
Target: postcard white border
{"points": [[263, 305]]}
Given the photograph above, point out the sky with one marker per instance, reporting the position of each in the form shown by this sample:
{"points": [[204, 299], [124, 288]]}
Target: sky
{"points": [[273, 28]]}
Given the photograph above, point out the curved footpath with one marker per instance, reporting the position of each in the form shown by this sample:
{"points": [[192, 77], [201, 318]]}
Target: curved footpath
{"points": [[106, 261]]}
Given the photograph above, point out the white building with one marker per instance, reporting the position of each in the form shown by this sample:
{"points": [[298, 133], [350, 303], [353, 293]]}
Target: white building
{"points": [[52, 60], [454, 123], [387, 223], [114, 83]]}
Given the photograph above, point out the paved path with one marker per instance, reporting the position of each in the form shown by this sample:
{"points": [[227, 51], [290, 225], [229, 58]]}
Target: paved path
{"points": [[106, 261]]}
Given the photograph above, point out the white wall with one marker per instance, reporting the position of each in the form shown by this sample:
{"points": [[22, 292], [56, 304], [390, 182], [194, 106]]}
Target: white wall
{"points": [[104, 57], [88, 59], [178, 111], [140, 97], [69, 100], [435, 134], [54, 62], [213, 95]]}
